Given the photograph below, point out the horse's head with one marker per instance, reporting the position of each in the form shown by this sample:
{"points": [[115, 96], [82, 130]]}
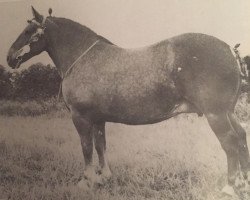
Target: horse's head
{"points": [[30, 42]]}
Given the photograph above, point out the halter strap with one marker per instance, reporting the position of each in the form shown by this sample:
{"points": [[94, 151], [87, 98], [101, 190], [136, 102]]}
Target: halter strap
{"points": [[71, 66], [83, 54]]}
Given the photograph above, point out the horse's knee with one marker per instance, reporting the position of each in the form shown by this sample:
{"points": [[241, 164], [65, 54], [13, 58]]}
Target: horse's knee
{"points": [[100, 142]]}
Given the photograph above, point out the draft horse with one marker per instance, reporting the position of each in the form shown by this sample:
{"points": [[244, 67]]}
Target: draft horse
{"points": [[101, 82]]}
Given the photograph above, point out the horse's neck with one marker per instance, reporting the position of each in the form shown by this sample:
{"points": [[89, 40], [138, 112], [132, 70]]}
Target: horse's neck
{"points": [[66, 46]]}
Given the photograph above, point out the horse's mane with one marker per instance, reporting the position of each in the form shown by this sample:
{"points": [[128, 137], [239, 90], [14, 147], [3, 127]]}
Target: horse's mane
{"points": [[59, 21]]}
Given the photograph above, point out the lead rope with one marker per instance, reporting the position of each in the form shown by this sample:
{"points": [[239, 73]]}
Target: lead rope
{"points": [[71, 66]]}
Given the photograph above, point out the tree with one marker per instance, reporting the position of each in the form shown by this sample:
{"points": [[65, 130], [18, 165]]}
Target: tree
{"points": [[38, 82], [5, 84]]}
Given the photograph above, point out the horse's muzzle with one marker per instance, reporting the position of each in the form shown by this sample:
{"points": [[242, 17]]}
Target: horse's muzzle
{"points": [[13, 60]]}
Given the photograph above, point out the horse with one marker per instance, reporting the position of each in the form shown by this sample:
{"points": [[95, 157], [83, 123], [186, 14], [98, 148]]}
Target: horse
{"points": [[102, 82]]}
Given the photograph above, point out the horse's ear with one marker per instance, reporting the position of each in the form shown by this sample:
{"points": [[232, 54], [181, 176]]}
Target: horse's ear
{"points": [[37, 16], [50, 11]]}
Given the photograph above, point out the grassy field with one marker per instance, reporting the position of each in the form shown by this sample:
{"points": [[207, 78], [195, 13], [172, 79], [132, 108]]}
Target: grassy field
{"points": [[179, 159], [41, 158]]}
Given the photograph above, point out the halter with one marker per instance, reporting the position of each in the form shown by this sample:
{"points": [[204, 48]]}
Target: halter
{"points": [[43, 27], [83, 54], [39, 24], [40, 30], [34, 38], [71, 66]]}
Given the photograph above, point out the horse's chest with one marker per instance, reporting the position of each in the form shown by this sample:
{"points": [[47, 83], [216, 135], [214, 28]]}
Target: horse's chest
{"points": [[76, 94]]}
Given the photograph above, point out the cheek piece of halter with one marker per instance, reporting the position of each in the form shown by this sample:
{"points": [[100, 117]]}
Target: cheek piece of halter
{"points": [[34, 38], [39, 32]]}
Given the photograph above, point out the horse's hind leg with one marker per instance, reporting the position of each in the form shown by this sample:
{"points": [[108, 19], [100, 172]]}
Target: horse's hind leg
{"points": [[243, 147], [84, 128], [100, 146], [229, 141]]}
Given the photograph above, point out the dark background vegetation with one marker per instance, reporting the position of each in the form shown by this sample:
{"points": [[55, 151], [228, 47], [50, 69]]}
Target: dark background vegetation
{"points": [[38, 82], [32, 91]]}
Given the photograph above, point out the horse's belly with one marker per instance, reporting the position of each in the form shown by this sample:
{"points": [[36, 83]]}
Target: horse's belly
{"points": [[139, 115], [151, 107]]}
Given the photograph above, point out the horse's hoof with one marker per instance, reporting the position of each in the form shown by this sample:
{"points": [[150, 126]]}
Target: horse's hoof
{"points": [[240, 183], [248, 178], [247, 187], [229, 190], [91, 177], [84, 184], [106, 174]]}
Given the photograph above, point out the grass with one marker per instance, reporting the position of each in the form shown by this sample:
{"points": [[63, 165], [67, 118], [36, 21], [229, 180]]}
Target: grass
{"points": [[41, 158]]}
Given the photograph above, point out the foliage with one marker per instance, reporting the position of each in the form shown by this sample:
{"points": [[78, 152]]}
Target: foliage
{"points": [[33, 108], [38, 82], [242, 109], [247, 61], [5, 83]]}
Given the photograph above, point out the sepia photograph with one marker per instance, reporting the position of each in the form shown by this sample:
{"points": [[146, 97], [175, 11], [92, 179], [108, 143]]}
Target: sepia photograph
{"points": [[124, 100]]}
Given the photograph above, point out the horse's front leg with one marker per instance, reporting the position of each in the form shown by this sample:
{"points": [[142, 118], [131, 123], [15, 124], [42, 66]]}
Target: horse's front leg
{"points": [[84, 128], [100, 146]]}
